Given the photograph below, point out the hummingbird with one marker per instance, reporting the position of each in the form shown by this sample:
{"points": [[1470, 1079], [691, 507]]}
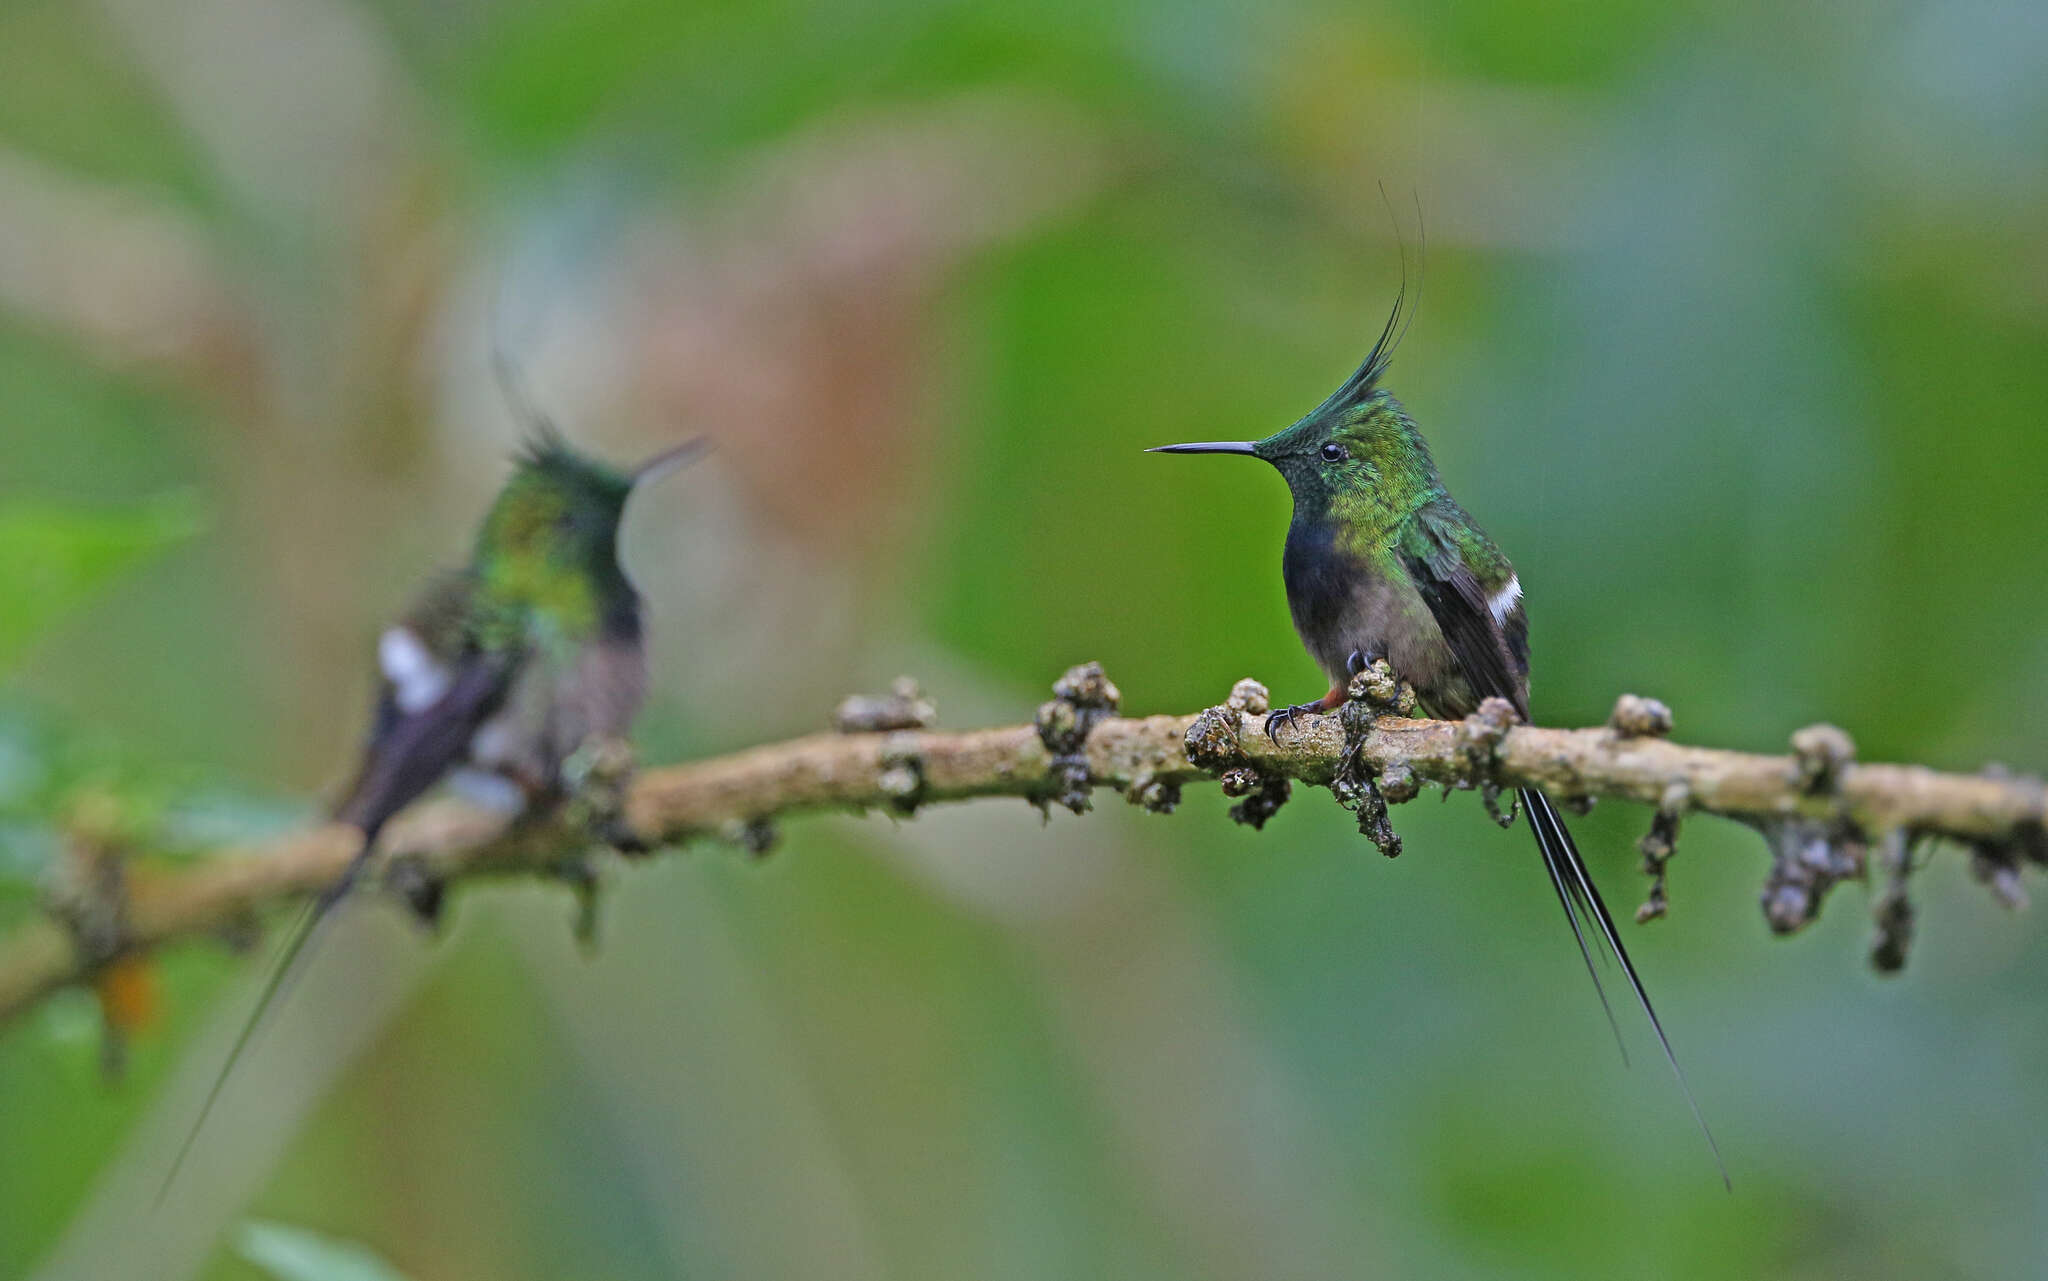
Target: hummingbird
{"points": [[498, 673], [1382, 563], [502, 669]]}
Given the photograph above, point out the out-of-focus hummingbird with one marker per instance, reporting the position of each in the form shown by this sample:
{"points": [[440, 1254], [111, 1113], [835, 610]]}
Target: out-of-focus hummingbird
{"points": [[503, 669], [500, 671], [1382, 563]]}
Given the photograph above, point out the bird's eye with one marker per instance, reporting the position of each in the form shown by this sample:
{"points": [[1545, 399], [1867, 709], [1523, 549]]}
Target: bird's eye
{"points": [[1334, 452]]}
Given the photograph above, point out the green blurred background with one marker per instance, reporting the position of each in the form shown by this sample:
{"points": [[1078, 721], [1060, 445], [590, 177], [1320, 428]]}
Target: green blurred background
{"points": [[1734, 333]]}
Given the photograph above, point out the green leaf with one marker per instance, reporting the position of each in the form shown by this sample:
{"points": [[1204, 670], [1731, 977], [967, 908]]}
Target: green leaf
{"points": [[294, 1254], [54, 558]]}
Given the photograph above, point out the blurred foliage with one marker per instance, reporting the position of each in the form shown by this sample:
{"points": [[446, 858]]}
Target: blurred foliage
{"points": [[1732, 329], [52, 558]]}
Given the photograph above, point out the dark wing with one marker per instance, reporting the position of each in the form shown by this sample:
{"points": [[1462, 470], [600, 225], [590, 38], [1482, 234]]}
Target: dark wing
{"points": [[1496, 665], [414, 749], [438, 688], [1491, 647], [408, 752]]}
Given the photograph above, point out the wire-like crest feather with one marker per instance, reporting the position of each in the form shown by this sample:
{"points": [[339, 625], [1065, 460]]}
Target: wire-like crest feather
{"points": [[544, 443], [1365, 379]]}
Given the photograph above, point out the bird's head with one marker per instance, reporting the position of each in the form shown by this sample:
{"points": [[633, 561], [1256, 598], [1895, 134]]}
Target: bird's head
{"points": [[1358, 447], [552, 535]]}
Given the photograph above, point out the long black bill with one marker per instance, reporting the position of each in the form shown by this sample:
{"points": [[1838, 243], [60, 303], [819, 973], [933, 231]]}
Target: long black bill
{"points": [[1209, 447], [669, 459]]}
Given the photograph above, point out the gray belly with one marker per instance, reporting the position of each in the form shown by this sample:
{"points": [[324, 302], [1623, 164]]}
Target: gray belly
{"points": [[553, 707], [1384, 617]]}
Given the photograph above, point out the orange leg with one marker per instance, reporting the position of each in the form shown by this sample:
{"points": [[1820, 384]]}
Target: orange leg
{"points": [[1329, 702]]}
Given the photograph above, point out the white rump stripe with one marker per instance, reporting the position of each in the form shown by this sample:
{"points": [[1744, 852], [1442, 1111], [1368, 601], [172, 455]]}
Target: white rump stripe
{"points": [[417, 679], [1505, 600]]}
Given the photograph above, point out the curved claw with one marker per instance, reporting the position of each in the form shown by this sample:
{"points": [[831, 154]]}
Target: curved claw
{"points": [[1361, 659], [1273, 720], [1286, 716]]}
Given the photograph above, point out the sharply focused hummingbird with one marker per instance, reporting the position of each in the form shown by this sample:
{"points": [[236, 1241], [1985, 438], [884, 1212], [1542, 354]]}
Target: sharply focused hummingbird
{"points": [[500, 671], [1382, 563]]}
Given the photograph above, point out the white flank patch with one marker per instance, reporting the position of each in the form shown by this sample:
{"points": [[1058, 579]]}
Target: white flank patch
{"points": [[488, 791], [1505, 600], [496, 742], [417, 680]]}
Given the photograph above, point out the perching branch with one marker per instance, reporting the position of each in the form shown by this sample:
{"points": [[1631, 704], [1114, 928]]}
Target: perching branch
{"points": [[1822, 813]]}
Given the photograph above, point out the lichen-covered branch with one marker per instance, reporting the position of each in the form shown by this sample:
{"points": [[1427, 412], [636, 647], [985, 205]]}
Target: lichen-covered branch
{"points": [[1821, 811]]}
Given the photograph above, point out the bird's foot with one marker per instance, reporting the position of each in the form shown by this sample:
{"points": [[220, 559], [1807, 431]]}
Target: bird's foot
{"points": [[1361, 659], [1288, 715], [596, 779], [1376, 689]]}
